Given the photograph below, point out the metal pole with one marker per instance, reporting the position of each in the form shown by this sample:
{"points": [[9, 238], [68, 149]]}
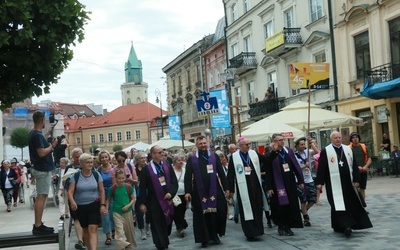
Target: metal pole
{"points": [[333, 54], [162, 122]]}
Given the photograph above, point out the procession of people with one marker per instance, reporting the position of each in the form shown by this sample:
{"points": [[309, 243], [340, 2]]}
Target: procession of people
{"points": [[145, 190]]}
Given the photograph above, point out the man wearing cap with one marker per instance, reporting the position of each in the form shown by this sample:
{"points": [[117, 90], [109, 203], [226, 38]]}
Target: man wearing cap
{"points": [[42, 162], [395, 156], [362, 157]]}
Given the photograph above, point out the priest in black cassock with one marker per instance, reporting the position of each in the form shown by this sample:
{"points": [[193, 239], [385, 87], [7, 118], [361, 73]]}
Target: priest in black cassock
{"points": [[205, 183], [282, 176], [338, 170], [244, 170], [159, 184]]}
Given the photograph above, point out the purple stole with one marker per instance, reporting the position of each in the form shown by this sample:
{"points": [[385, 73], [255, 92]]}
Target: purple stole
{"points": [[208, 203], [166, 205], [277, 168]]}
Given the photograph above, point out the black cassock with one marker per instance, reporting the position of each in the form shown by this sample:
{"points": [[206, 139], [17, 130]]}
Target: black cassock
{"points": [[253, 227], [355, 216], [206, 226], [159, 228]]}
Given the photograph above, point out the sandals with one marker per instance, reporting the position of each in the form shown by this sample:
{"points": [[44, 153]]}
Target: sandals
{"points": [[108, 241]]}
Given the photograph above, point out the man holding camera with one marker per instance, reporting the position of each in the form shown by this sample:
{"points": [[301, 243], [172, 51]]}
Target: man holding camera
{"points": [[42, 167]]}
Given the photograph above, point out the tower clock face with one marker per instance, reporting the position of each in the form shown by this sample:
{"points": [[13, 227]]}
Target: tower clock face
{"points": [[135, 78]]}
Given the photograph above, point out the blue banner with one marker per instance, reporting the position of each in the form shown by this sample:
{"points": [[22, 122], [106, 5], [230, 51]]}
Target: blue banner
{"points": [[221, 120], [174, 126]]}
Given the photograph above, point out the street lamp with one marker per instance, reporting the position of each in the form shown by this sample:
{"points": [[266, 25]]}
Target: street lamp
{"points": [[180, 113], [158, 100]]}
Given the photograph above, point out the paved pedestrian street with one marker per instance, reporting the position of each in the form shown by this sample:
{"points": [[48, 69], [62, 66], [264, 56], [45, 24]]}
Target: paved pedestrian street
{"points": [[383, 200]]}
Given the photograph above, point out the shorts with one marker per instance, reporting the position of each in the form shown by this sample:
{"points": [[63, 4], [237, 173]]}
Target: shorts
{"points": [[89, 214], [43, 181], [363, 180], [309, 194]]}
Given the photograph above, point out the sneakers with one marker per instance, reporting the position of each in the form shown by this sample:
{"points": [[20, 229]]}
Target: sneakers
{"points": [[230, 217], [142, 234], [148, 229], [62, 217], [306, 220], [80, 245], [15, 204], [42, 229]]}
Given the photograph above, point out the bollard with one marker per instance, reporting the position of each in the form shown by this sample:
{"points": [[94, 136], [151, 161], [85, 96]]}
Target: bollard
{"points": [[61, 235]]}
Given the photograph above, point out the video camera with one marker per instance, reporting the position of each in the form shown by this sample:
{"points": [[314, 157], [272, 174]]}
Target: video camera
{"points": [[53, 122]]}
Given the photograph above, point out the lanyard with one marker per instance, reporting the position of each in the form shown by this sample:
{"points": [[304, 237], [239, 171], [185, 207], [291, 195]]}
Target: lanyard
{"points": [[303, 159], [282, 156], [246, 161], [158, 169], [206, 158]]}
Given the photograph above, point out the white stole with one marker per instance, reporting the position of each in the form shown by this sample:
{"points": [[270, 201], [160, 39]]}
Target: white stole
{"points": [[242, 184], [333, 164]]}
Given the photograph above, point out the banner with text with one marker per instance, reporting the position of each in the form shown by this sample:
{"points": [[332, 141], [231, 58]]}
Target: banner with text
{"points": [[309, 75], [174, 126], [221, 120]]}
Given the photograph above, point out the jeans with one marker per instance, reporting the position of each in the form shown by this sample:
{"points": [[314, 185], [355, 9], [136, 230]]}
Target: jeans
{"points": [[107, 220]]}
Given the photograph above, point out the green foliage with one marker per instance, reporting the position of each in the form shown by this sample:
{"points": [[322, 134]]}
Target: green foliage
{"points": [[19, 137], [117, 148], [35, 45]]}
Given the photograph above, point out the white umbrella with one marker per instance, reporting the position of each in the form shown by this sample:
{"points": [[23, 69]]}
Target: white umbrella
{"points": [[262, 130], [141, 146], [70, 172], [167, 143], [296, 115]]}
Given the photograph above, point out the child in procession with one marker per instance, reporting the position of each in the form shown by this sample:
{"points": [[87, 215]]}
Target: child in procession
{"points": [[124, 197]]}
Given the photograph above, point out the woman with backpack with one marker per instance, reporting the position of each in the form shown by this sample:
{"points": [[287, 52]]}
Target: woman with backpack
{"points": [[87, 199]]}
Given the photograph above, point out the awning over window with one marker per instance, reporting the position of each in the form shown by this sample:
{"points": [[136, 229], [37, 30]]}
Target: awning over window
{"points": [[382, 90]]}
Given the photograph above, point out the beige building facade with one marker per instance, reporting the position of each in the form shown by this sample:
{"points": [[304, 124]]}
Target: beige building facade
{"points": [[367, 35]]}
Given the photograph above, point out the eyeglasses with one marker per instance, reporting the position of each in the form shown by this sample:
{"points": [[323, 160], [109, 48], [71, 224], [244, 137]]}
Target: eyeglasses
{"points": [[89, 162], [279, 140], [121, 161]]}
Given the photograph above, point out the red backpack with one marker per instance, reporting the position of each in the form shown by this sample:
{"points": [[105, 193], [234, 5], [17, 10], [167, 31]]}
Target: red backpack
{"points": [[128, 190]]}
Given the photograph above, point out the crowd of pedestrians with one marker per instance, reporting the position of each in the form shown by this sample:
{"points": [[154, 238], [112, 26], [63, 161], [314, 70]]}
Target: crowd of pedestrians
{"points": [[152, 191]]}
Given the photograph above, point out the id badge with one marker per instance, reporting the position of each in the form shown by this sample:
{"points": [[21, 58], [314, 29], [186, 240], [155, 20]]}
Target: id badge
{"points": [[307, 170], [286, 167], [210, 169], [247, 170], [162, 180]]}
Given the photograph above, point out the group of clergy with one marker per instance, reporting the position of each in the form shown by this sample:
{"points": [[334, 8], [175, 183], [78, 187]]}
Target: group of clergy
{"points": [[208, 188]]}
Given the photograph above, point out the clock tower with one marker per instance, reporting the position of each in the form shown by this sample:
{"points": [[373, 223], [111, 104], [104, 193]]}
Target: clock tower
{"points": [[134, 90]]}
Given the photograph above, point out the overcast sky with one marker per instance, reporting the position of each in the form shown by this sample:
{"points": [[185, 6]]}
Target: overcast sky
{"points": [[159, 29]]}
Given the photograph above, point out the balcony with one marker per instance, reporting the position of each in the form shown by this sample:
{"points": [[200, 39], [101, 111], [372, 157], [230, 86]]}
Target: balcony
{"points": [[243, 62], [264, 108], [382, 73], [283, 42]]}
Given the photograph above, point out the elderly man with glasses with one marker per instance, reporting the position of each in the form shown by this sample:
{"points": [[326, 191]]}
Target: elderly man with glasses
{"points": [[245, 168]]}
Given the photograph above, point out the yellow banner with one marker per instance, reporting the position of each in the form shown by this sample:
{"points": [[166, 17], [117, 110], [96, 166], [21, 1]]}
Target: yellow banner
{"points": [[309, 75], [274, 41]]}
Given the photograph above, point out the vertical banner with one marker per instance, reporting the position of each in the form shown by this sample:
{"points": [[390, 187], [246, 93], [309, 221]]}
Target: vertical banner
{"points": [[221, 120], [174, 126]]}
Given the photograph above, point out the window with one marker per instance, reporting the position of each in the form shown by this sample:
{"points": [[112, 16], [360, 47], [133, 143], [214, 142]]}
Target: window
{"points": [[128, 135], [247, 5], [180, 83], [210, 79], [137, 134], [238, 92], [247, 44], [78, 141], [217, 76], [316, 10], [363, 61], [101, 138], [119, 136], [92, 138], [173, 87], [321, 57], [234, 49], [234, 12], [188, 77], [269, 30], [289, 18], [394, 29], [250, 86], [110, 136]]}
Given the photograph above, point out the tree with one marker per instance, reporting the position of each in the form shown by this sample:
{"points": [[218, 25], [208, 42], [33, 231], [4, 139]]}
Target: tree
{"points": [[20, 139], [117, 148], [35, 45]]}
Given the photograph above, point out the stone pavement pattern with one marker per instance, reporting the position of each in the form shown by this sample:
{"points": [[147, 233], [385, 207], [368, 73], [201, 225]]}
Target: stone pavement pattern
{"points": [[383, 200]]}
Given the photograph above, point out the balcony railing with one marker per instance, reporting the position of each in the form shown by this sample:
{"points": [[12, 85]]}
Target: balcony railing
{"points": [[244, 59], [266, 107], [382, 73]]}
